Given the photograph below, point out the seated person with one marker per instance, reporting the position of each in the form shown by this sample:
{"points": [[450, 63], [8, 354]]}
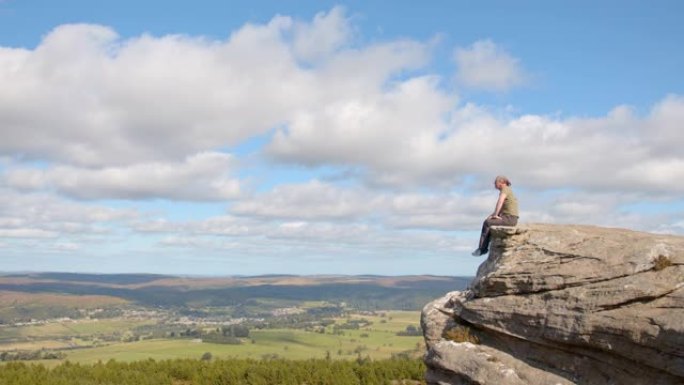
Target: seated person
{"points": [[505, 213]]}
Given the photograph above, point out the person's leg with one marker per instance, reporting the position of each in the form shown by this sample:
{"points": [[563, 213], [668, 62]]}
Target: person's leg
{"points": [[485, 235], [508, 220]]}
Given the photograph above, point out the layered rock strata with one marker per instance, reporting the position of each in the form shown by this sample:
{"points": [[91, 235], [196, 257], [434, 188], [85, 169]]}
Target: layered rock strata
{"points": [[559, 304]]}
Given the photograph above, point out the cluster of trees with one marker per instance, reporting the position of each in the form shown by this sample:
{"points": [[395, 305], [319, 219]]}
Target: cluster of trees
{"points": [[293, 321], [351, 324], [26, 313], [31, 355], [411, 331], [354, 324], [227, 335], [231, 334], [220, 372]]}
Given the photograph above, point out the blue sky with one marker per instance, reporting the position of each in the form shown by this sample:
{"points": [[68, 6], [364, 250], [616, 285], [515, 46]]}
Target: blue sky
{"points": [[317, 137]]}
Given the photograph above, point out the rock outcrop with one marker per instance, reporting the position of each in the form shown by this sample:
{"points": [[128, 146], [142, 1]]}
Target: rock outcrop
{"points": [[555, 304]]}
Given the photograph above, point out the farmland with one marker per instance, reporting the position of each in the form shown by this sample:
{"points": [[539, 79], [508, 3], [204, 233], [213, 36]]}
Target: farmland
{"points": [[89, 320], [376, 341]]}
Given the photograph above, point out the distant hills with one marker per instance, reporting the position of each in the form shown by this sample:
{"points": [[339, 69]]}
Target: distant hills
{"points": [[366, 292], [118, 279]]}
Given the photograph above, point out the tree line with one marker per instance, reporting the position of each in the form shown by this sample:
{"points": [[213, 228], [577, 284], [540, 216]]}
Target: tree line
{"points": [[29, 355], [219, 372]]}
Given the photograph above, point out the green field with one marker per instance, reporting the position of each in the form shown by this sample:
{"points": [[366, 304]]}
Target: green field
{"points": [[65, 330], [377, 341], [77, 328], [87, 318], [289, 344], [63, 335]]}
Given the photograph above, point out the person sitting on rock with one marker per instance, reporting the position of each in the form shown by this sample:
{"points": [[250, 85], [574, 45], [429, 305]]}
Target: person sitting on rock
{"points": [[505, 213]]}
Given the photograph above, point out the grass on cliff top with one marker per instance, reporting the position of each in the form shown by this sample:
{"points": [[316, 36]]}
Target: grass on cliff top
{"points": [[661, 262]]}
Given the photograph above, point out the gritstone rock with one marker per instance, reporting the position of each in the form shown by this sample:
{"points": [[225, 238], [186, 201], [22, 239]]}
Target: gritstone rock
{"points": [[564, 304]]}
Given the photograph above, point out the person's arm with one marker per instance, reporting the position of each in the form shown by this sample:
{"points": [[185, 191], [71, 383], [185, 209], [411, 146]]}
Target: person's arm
{"points": [[499, 204]]}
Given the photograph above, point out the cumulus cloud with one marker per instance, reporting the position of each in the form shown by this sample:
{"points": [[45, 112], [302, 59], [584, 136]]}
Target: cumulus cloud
{"points": [[44, 217], [109, 110], [219, 225], [316, 201], [27, 233], [398, 223], [37, 208], [312, 200], [281, 238], [315, 215], [373, 130], [324, 35], [437, 211], [286, 238], [617, 152], [302, 205], [87, 97], [487, 66], [205, 176], [89, 115]]}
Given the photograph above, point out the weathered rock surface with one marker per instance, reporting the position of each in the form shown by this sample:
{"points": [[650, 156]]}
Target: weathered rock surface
{"points": [[559, 304]]}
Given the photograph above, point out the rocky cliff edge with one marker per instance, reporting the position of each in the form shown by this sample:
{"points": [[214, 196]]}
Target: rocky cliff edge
{"points": [[559, 304]]}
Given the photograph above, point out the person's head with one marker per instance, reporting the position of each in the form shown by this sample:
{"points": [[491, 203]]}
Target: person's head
{"points": [[501, 181]]}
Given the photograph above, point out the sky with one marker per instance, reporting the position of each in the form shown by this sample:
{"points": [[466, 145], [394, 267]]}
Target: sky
{"points": [[318, 137]]}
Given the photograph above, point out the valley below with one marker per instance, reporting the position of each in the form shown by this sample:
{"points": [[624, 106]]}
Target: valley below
{"points": [[51, 318]]}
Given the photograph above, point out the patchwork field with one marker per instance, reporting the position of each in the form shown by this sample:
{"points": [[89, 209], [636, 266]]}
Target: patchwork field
{"points": [[378, 340], [52, 318]]}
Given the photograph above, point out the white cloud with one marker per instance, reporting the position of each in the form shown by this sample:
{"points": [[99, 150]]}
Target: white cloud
{"points": [[311, 201], [204, 176], [301, 205], [218, 225], [372, 129], [323, 36], [439, 211], [315, 201], [290, 238], [153, 117], [487, 66], [85, 96], [618, 152], [663, 130], [397, 224], [27, 233], [37, 208], [105, 106], [40, 216], [67, 246]]}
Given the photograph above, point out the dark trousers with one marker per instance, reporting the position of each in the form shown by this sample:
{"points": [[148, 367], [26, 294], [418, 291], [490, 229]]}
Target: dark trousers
{"points": [[504, 220]]}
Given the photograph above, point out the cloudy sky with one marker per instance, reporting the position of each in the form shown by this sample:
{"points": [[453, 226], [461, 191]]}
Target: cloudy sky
{"points": [[315, 137]]}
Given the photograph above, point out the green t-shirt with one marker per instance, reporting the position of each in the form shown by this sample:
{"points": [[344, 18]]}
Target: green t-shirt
{"points": [[510, 205]]}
